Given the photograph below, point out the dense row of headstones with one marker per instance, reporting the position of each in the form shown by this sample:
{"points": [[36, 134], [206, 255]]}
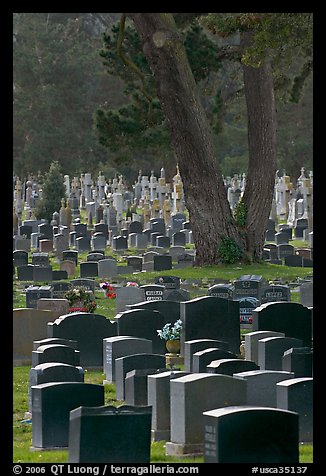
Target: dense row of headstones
{"points": [[167, 245], [271, 385]]}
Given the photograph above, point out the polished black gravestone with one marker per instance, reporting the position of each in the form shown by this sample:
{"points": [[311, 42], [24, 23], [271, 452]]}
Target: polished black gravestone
{"points": [[291, 318], [169, 309], [110, 434], [230, 366], [202, 358], [136, 385], [55, 340], [53, 372], [298, 360], [88, 330], [55, 353], [246, 434], [211, 318], [51, 404]]}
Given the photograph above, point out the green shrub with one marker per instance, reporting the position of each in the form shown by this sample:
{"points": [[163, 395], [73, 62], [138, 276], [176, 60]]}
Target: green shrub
{"points": [[229, 251]]}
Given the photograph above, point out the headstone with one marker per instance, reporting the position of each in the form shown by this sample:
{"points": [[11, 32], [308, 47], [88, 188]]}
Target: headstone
{"points": [[221, 291], [261, 386], [88, 284], [169, 282], [26, 230], [58, 275], [142, 323], [40, 259], [123, 365], [33, 293], [23, 244], [51, 404], [178, 239], [169, 309], [46, 246], [291, 318], [149, 256], [89, 269], [141, 241], [231, 366], [58, 307], [296, 395], [246, 306], [178, 220], [251, 342], [135, 262], [95, 256], [98, 242], [162, 262], [83, 243], [163, 241], [153, 292], [306, 294], [276, 293], [211, 318], [115, 429], [192, 395], [178, 295], [197, 345], [59, 290], [136, 385], [80, 327], [126, 296], [20, 258], [28, 325], [121, 346], [248, 285], [107, 268], [53, 372], [298, 360], [69, 267], [176, 251], [202, 358], [226, 436], [71, 255], [135, 227], [271, 350], [158, 386], [25, 272], [42, 273], [285, 250], [55, 340], [55, 353], [119, 243], [281, 238]]}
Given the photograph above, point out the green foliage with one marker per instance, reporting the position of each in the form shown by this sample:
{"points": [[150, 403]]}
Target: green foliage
{"points": [[53, 190], [229, 251]]}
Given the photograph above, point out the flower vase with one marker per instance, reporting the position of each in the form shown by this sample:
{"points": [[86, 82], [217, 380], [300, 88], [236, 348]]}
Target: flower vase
{"points": [[173, 346]]}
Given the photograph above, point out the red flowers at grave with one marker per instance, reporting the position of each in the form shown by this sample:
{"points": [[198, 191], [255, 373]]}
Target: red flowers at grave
{"points": [[109, 290]]}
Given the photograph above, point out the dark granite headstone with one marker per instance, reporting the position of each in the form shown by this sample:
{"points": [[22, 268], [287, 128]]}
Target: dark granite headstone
{"points": [[88, 269], [221, 290], [88, 284], [178, 295], [248, 285], [123, 434], [169, 282], [211, 318], [60, 288], [55, 353], [169, 309], [135, 227], [296, 395], [59, 274], [153, 292], [284, 250], [83, 243], [298, 360], [121, 346], [20, 258], [70, 255], [33, 293], [136, 262], [162, 262], [238, 435], [136, 385], [55, 340], [142, 323], [51, 404], [246, 306], [163, 241], [119, 243], [25, 272], [53, 372], [123, 365], [41, 259], [271, 350], [291, 318], [178, 239], [231, 366], [275, 294], [88, 330], [42, 273]]}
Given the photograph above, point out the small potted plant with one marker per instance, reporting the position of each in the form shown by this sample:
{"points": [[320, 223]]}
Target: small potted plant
{"points": [[80, 300], [171, 334]]}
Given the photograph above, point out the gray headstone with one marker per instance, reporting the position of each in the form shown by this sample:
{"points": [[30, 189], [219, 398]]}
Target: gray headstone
{"points": [[296, 395], [192, 395], [230, 366], [55, 353], [128, 295], [121, 346], [89, 269], [251, 342], [202, 358], [261, 386], [107, 268], [196, 345]]}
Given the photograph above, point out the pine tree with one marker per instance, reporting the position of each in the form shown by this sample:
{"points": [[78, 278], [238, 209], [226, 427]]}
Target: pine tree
{"points": [[53, 190]]}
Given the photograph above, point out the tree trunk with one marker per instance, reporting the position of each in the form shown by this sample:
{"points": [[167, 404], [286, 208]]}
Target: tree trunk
{"points": [[205, 194], [258, 195]]}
